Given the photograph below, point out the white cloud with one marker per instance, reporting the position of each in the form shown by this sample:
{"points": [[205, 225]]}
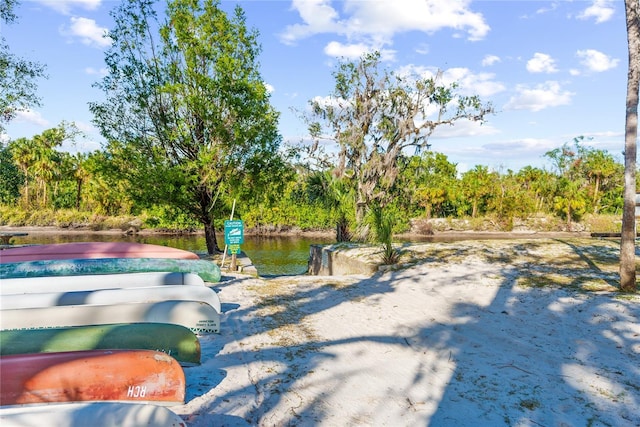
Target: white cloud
{"points": [[65, 6], [464, 128], [93, 72], [377, 21], [489, 60], [600, 10], [356, 50], [422, 49], [545, 95], [550, 8], [350, 51], [481, 84], [469, 83], [87, 31], [32, 117], [596, 61], [318, 17], [523, 146], [541, 63]]}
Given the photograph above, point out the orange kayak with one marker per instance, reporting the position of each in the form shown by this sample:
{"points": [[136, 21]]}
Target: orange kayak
{"points": [[143, 376], [91, 250]]}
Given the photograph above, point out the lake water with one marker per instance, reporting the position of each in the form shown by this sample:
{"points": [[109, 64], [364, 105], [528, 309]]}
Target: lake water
{"points": [[271, 255]]}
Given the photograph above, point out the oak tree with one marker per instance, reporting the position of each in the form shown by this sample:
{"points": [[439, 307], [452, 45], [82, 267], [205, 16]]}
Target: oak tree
{"points": [[184, 95], [374, 116]]}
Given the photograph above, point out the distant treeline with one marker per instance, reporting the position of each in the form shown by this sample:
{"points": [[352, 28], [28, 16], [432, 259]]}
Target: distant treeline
{"points": [[42, 185]]}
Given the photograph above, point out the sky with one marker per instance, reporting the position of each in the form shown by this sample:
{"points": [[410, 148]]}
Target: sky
{"points": [[553, 70]]}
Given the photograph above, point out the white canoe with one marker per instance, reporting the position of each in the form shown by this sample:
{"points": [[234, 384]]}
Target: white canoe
{"points": [[28, 285], [198, 316], [111, 296], [94, 414]]}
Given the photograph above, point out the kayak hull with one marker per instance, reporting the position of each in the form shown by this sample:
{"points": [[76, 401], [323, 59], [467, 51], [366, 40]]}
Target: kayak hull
{"points": [[198, 316], [94, 414], [94, 375], [177, 341], [92, 250], [111, 296], [207, 270], [31, 285]]}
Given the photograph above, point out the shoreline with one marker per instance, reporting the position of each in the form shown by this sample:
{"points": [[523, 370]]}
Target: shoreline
{"points": [[438, 235]]}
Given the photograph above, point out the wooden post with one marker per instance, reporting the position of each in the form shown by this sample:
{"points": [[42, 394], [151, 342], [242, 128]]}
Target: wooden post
{"points": [[224, 254]]}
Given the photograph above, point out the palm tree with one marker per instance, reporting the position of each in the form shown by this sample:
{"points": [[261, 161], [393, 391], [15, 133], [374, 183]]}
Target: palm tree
{"points": [[23, 155]]}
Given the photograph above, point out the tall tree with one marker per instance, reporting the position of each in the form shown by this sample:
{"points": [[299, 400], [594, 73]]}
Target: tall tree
{"points": [[187, 97], [478, 184], [374, 116], [602, 171], [428, 179], [18, 76], [627, 241], [39, 160], [11, 178], [570, 199]]}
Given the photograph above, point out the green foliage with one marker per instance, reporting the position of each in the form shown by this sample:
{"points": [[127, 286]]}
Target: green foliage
{"points": [[375, 116], [91, 189], [11, 179], [603, 223], [18, 76], [186, 112], [13, 216], [168, 217], [383, 223]]}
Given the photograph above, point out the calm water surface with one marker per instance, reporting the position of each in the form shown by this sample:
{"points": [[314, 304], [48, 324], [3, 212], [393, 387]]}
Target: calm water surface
{"points": [[270, 255]]}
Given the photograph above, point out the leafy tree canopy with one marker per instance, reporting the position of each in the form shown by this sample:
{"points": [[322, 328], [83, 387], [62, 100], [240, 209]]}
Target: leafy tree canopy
{"points": [[374, 116], [186, 96], [18, 76]]}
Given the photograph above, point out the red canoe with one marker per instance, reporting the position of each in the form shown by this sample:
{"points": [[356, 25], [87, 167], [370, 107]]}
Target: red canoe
{"points": [[143, 376], [91, 250]]}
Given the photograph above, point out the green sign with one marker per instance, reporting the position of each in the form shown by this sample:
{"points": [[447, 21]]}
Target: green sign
{"points": [[234, 249], [234, 232]]}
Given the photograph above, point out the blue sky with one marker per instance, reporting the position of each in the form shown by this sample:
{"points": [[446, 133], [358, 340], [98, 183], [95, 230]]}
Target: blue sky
{"points": [[553, 70]]}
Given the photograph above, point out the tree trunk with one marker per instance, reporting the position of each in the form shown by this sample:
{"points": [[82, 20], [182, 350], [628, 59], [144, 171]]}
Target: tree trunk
{"points": [[78, 193], [210, 238], [596, 202], [342, 231], [207, 221], [361, 210], [628, 236]]}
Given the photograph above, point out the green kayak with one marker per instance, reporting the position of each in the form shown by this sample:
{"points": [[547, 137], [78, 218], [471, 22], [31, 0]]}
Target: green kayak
{"points": [[207, 270], [175, 340]]}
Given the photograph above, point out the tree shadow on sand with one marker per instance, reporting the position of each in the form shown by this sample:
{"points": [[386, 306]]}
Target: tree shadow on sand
{"points": [[423, 350]]}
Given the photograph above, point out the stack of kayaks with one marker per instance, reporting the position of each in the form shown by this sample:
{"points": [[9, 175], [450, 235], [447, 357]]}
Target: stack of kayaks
{"points": [[95, 328]]}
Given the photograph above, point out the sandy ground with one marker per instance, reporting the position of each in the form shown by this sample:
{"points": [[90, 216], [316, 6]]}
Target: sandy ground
{"points": [[476, 334]]}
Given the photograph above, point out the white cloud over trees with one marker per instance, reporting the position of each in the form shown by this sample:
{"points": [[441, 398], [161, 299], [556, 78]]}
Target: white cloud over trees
{"points": [[539, 97], [541, 63]]}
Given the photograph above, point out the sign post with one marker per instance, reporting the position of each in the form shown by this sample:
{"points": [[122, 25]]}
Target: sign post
{"points": [[233, 237]]}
